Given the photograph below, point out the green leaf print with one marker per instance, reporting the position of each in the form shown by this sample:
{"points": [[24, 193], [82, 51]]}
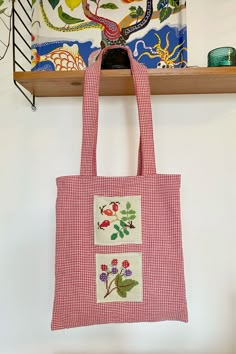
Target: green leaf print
{"points": [[110, 6]]}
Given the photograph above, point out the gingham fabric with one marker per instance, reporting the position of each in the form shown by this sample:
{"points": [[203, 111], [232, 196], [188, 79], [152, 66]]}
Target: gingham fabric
{"points": [[163, 292]]}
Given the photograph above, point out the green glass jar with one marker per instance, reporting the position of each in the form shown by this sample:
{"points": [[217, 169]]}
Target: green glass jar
{"points": [[223, 56]]}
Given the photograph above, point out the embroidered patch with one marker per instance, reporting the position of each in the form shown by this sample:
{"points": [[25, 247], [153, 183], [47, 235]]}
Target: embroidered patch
{"points": [[117, 220], [119, 277]]}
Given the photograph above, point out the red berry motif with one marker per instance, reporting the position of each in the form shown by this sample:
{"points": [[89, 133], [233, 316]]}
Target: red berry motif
{"points": [[104, 267], [125, 264], [105, 223], [32, 37], [115, 207], [114, 262], [108, 212]]}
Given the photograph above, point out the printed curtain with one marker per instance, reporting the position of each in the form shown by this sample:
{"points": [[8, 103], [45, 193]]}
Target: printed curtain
{"points": [[69, 34]]}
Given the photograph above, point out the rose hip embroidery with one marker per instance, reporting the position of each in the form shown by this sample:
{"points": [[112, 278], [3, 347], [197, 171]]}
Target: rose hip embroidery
{"points": [[122, 219], [116, 279]]}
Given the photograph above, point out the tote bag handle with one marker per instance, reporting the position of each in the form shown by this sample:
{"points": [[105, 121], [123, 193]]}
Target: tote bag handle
{"points": [[146, 164]]}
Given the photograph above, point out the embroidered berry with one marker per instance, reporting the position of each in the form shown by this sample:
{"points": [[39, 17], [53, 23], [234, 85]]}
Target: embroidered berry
{"points": [[105, 223], [115, 206], [104, 267], [114, 262], [114, 270], [128, 272], [103, 277], [108, 212], [125, 264]]}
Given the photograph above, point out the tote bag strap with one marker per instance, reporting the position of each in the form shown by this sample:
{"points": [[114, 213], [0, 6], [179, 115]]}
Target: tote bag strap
{"points": [[146, 164]]}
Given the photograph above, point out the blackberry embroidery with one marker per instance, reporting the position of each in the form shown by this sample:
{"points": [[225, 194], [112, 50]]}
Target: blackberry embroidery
{"points": [[122, 220], [117, 279]]}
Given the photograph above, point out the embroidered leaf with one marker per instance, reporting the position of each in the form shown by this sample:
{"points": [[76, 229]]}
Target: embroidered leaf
{"points": [[132, 8], [165, 13], [124, 286], [118, 279], [126, 232], [132, 217], [117, 227], [128, 284], [122, 224], [1, 2], [33, 2], [121, 234], [114, 236], [132, 212], [128, 205], [93, 0], [124, 218], [110, 6], [121, 292], [123, 212], [53, 3]]}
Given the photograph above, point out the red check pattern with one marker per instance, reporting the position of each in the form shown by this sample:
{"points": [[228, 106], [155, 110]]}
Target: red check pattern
{"points": [[164, 298]]}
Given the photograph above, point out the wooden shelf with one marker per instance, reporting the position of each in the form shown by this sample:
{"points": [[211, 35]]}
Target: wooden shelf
{"points": [[119, 82]]}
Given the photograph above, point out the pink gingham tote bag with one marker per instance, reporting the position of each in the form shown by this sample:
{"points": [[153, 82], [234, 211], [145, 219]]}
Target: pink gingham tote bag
{"points": [[118, 239]]}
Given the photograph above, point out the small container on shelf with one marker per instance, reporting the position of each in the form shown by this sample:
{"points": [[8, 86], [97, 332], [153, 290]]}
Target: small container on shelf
{"points": [[222, 56]]}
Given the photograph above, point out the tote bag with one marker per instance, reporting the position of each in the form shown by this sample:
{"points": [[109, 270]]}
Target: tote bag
{"points": [[118, 239]]}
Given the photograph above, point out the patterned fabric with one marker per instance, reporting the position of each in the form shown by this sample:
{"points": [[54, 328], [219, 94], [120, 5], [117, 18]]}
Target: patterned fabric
{"points": [[88, 290], [69, 34]]}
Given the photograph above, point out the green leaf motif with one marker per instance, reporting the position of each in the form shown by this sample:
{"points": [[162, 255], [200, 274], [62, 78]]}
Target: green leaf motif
{"points": [[128, 284], [118, 279], [132, 212], [174, 3], [128, 205], [117, 227], [94, 1], [132, 217], [165, 13], [69, 20], [133, 15], [122, 224], [114, 236], [110, 6], [140, 11], [53, 3], [121, 234], [126, 232], [132, 8], [121, 292], [1, 2], [123, 212], [124, 218], [124, 286]]}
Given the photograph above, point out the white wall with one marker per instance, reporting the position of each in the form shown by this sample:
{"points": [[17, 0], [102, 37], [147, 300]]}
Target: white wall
{"points": [[194, 136]]}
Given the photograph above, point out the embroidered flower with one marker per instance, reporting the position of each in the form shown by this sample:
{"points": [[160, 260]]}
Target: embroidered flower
{"points": [[125, 264], [103, 277], [114, 262], [104, 267]]}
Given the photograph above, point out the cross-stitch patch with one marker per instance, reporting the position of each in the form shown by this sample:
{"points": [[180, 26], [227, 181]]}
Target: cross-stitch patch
{"points": [[117, 220], [119, 277]]}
